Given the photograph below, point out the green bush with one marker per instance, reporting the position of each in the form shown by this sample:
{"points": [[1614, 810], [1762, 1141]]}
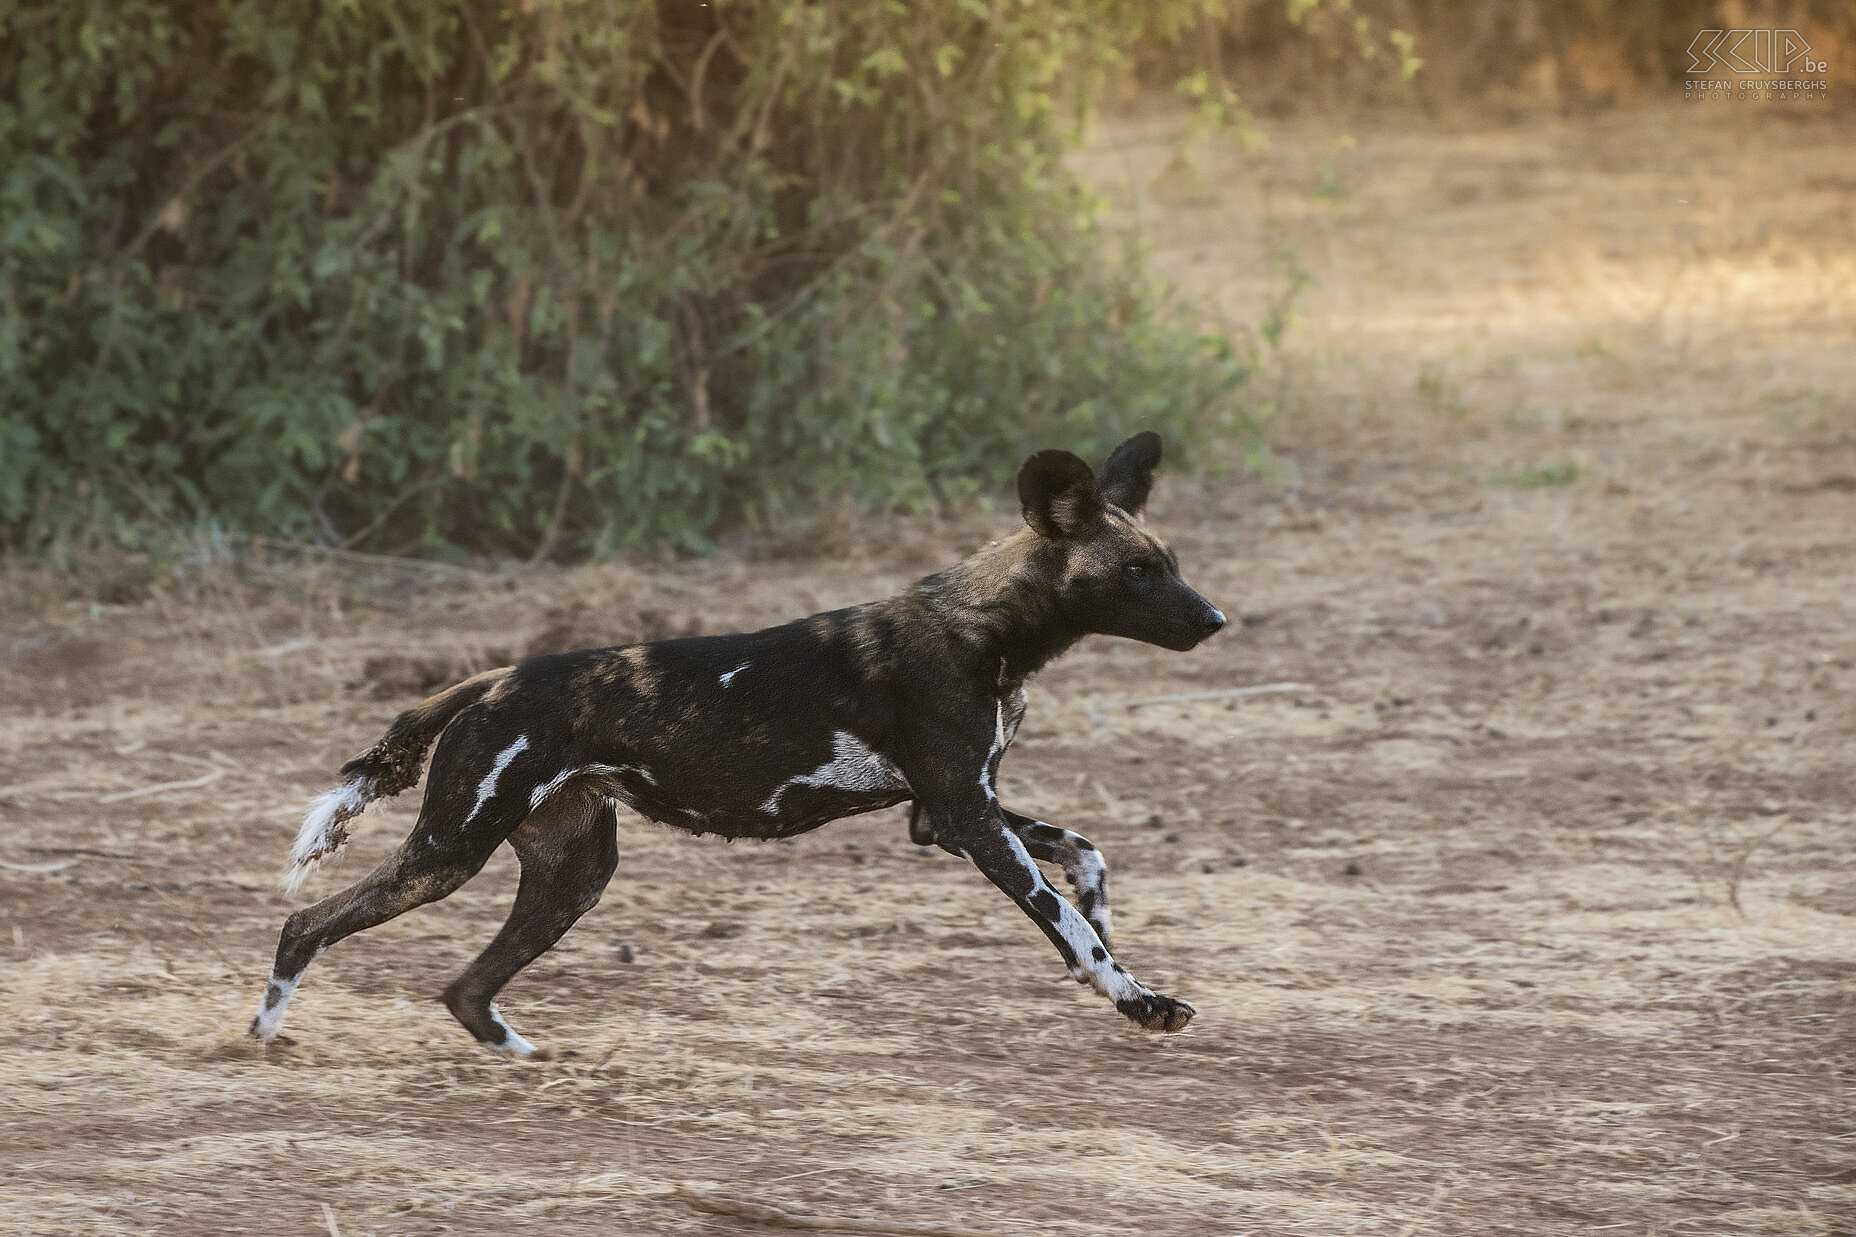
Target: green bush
{"points": [[558, 277]]}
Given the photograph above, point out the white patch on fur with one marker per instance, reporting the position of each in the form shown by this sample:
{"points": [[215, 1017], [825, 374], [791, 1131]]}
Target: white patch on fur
{"points": [[1101, 974], [640, 770], [990, 770], [853, 766], [561, 779], [1014, 714], [324, 830], [1087, 872], [729, 677], [1090, 872], [487, 787], [271, 1014], [513, 1044]]}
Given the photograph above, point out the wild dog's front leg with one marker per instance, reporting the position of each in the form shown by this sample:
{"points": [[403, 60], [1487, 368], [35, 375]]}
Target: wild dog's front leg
{"points": [[995, 849], [921, 825], [1083, 864]]}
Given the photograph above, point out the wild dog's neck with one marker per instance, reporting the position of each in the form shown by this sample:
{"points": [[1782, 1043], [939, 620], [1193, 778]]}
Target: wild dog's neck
{"points": [[1002, 599]]}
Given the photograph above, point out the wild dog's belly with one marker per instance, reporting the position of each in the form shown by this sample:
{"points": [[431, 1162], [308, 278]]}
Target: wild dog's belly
{"points": [[747, 794]]}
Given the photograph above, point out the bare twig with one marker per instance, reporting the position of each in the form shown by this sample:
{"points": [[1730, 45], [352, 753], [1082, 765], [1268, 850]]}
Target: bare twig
{"points": [[92, 852], [36, 867], [200, 172], [782, 1217], [759, 137], [546, 546], [702, 68], [1229, 693], [401, 499], [1739, 868], [205, 779]]}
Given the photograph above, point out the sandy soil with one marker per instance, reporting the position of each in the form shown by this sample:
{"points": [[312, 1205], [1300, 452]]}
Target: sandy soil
{"points": [[1533, 911]]}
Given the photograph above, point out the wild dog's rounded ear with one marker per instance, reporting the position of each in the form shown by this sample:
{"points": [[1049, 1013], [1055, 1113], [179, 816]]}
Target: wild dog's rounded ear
{"points": [[1058, 492], [1128, 476]]}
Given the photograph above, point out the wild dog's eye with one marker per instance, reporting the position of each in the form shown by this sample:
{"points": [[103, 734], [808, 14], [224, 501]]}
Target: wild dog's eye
{"points": [[1137, 571]]}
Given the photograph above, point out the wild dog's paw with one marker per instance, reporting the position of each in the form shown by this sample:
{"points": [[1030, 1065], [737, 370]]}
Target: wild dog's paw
{"points": [[258, 1032], [1156, 1012]]}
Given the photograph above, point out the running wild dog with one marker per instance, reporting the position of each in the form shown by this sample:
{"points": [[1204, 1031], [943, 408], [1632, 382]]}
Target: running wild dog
{"points": [[769, 735]]}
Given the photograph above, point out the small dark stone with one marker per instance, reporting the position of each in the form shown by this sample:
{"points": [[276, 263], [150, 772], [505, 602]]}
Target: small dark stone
{"points": [[1172, 837], [1155, 821], [1239, 861], [1352, 869], [721, 931], [1399, 702], [1811, 715], [627, 954], [1772, 721]]}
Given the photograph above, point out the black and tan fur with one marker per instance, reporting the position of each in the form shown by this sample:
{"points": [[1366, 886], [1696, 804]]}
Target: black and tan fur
{"points": [[767, 735]]}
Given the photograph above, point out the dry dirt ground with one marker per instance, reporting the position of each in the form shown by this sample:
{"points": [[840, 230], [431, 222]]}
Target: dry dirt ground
{"points": [[1533, 911]]}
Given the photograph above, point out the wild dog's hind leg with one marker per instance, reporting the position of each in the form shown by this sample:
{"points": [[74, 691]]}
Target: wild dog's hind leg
{"points": [[569, 848], [461, 823], [417, 873], [1082, 864]]}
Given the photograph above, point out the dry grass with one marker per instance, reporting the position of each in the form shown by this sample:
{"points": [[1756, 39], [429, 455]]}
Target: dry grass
{"points": [[1534, 913]]}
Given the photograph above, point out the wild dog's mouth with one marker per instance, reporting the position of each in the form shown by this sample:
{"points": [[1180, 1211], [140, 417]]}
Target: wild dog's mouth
{"points": [[1191, 633]]}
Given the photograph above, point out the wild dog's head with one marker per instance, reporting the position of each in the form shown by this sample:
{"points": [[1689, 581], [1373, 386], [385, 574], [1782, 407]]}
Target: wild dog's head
{"points": [[1110, 575]]}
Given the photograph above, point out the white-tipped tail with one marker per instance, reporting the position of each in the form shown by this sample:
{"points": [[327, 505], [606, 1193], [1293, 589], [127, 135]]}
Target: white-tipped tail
{"points": [[325, 829]]}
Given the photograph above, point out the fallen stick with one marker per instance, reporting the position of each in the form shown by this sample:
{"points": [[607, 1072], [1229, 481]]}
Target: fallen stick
{"points": [[86, 850], [36, 867], [1229, 693], [780, 1217], [205, 779]]}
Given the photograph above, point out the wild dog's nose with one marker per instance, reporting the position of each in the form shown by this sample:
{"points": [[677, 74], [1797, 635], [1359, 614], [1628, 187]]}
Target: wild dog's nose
{"points": [[1214, 623]]}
